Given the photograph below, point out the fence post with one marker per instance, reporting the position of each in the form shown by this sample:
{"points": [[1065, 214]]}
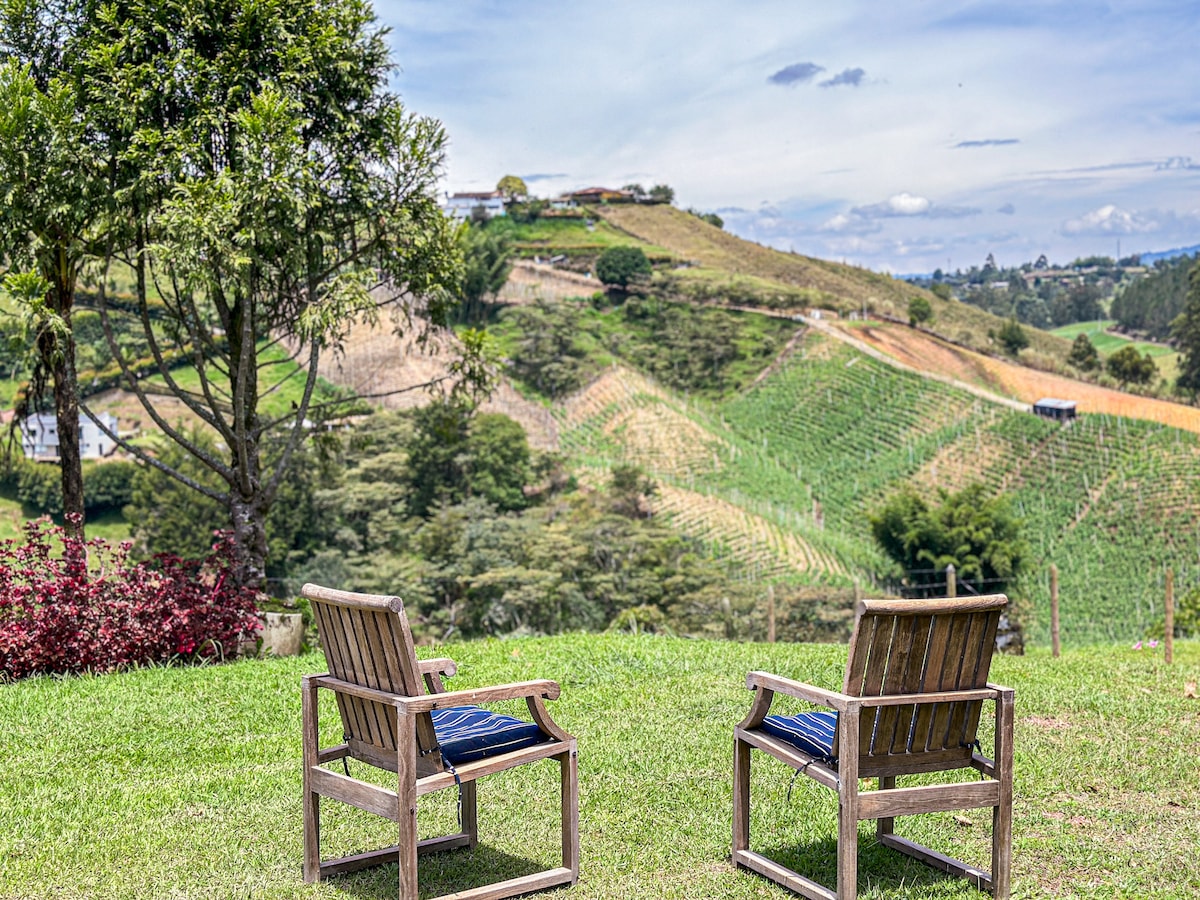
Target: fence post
{"points": [[1169, 621], [1055, 648], [951, 581], [770, 613]]}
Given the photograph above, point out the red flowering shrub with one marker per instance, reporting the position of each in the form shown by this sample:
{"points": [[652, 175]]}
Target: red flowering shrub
{"points": [[89, 609]]}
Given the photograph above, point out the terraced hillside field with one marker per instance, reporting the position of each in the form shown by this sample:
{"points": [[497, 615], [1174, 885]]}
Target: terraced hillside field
{"points": [[925, 352], [783, 476]]}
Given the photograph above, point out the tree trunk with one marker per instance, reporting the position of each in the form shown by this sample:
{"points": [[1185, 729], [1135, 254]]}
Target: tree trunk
{"points": [[58, 358], [250, 539]]}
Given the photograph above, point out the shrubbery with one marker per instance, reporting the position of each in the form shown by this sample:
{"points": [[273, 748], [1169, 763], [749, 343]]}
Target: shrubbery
{"points": [[88, 609]]}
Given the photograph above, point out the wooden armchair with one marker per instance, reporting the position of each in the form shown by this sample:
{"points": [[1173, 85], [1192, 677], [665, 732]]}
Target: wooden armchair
{"points": [[916, 682], [396, 715]]}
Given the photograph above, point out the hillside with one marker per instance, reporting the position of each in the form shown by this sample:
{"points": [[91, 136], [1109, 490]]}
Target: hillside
{"points": [[778, 472], [726, 267], [781, 477]]}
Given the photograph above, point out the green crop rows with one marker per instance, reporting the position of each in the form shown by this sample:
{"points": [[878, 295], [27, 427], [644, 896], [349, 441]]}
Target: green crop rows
{"points": [[813, 448]]}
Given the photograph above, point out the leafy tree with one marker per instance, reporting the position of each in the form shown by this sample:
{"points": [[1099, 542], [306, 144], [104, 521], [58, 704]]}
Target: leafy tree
{"points": [[941, 290], [487, 264], [1012, 337], [919, 311], [1130, 367], [977, 534], [1186, 331], [512, 187], [55, 193], [548, 357], [1083, 355], [711, 218], [639, 192], [630, 491], [620, 266], [454, 454], [662, 193], [1151, 304], [274, 190]]}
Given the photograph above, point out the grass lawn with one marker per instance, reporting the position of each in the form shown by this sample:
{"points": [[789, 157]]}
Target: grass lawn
{"points": [[185, 783]]}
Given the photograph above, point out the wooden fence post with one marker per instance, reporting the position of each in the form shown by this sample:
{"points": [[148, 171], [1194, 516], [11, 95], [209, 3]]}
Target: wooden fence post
{"points": [[951, 581], [1055, 647], [770, 613], [1169, 621]]}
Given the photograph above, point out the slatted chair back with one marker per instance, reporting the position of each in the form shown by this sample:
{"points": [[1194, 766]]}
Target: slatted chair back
{"points": [[368, 642], [920, 647]]}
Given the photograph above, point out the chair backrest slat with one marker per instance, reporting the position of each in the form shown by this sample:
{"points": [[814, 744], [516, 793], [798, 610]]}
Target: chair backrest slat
{"points": [[367, 641], [916, 646]]}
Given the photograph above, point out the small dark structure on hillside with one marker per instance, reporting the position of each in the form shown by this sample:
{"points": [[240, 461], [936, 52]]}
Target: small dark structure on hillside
{"points": [[1060, 410]]}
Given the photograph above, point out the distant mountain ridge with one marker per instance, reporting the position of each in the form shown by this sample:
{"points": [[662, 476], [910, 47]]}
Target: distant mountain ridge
{"points": [[1149, 258]]}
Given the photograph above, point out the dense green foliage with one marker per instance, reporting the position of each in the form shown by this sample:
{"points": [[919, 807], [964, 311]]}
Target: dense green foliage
{"points": [[107, 486], [1149, 305], [486, 259], [974, 532], [919, 311], [1083, 354], [553, 347], [1186, 330], [621, 266], [1130, 367], [479, 554], [1012, 337]]}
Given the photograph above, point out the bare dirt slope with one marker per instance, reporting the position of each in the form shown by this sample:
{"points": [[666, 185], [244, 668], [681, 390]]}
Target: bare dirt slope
{"points": [[925, 352], [391, 371]]}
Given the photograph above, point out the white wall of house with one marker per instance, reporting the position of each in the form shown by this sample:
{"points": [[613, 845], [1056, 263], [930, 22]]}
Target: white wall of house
{"points": [[462, 207], [39, 436]]}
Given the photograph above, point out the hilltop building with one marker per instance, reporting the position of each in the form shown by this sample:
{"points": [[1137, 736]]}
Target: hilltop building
{"points": [[462, 206], [39, 436]]}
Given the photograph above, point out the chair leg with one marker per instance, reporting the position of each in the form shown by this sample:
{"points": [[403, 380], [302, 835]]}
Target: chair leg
{"points": [[741, 797], [569, 763], [406, 807], [847, 852], [312, 836], [886, 825], [470, 813]]}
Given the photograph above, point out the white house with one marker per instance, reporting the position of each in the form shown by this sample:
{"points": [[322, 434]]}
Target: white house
{"points": [[463, 206], [39, 436]]}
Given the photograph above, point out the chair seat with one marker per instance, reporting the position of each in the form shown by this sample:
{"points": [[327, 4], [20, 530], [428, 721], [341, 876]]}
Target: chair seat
{"points": [[812, 732], [468, 733]]}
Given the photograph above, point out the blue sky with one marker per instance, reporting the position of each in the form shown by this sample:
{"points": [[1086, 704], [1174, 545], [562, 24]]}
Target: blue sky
{"points": [[901, 135]]}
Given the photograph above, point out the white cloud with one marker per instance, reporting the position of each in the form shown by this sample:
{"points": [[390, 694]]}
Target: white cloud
{"points": [[907, 204], [1109, 219]]}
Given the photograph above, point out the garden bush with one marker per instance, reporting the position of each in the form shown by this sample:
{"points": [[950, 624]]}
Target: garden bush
{"points": [[68, 605]]}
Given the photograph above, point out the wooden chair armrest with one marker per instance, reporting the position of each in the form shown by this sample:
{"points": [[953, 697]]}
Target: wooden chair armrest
{"points": [[432, 671], [799, 690], [442, 665], [354, 690], [1001, 689], [516, 691], [963, 696]]}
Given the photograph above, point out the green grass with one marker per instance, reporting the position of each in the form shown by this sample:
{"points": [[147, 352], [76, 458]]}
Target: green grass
{"points": [[186, 782], [1106, 341]]}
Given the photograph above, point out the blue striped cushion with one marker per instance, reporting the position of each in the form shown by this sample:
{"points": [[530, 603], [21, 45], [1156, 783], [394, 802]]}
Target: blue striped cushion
{"points": [[811, 732], [467, 733]]}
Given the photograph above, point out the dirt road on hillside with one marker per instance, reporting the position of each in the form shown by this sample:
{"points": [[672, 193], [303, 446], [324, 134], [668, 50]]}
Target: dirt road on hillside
{"points": [[926, 353]]}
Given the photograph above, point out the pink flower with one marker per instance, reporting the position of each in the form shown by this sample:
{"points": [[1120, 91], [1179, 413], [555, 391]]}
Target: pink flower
{"points": [[1153, 644], [1137, 646]]}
